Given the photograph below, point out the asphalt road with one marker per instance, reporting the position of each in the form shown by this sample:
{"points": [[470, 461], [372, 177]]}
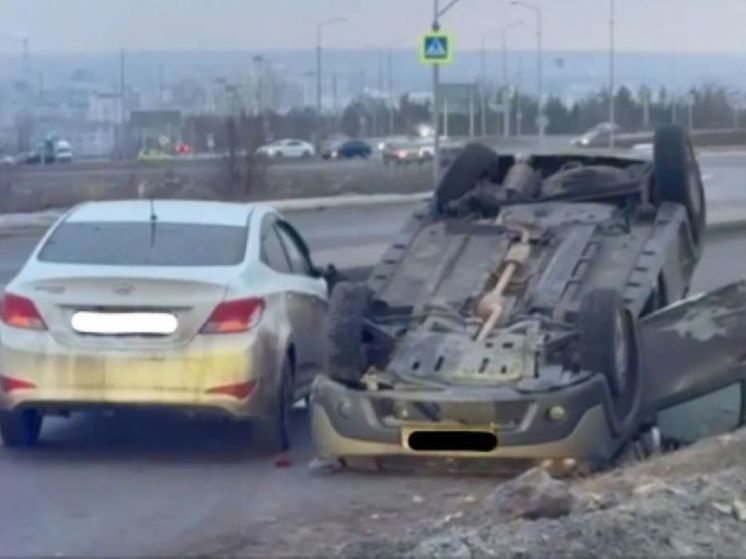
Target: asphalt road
{"points": [[144, 484]]}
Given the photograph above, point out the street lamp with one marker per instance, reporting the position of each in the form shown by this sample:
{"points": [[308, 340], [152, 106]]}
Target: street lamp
{"points": [[483, 75], [438, 12], [319, 35], [612, 93], [539, 70]]}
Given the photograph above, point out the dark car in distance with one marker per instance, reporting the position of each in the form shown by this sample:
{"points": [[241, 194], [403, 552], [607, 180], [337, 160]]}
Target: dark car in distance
{"points": [[349, 149]]}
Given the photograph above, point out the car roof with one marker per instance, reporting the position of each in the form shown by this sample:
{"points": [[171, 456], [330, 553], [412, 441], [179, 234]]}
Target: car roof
{"points": [[167, 211]]}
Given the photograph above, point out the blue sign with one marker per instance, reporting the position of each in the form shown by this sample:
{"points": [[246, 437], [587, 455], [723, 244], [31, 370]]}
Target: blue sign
{"points": [[437, 48]]}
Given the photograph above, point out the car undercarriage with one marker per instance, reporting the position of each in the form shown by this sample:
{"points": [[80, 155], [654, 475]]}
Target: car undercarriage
{"points": [[513, 317]]}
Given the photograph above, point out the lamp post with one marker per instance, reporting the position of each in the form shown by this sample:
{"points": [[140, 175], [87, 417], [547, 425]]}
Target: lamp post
{"points": [[438, 12], [539, 69], [508, 104], [319, 36], [483, 64], [612, 87]]}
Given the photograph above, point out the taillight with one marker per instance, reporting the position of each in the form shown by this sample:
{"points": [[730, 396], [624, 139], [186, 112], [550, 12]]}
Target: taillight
{"points": [[10, 384], [234, 316], [240, 391], [20, 312]]}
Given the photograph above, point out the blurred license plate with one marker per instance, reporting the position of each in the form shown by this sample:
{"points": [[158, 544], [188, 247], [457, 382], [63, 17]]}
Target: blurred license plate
{"points": [[101, 323]]}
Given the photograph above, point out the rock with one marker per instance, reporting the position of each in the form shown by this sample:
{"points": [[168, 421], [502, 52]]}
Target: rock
{"points": [[440, 546], [681, 548], [533, 495], [722, 508], [739, 510], [320, 465], [417, 500], [652, 487]]}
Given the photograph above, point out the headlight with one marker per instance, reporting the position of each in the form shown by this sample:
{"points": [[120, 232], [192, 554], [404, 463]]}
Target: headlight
{"points": [[402, 154]]}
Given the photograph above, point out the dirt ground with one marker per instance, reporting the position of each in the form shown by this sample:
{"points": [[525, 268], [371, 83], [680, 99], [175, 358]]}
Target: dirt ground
{"points": [[687, 503]]}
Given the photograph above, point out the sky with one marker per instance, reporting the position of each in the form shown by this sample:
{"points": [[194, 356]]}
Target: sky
{"points": [[93, 26]]}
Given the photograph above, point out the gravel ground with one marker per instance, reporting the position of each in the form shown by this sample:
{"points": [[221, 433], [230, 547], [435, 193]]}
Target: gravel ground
{"points": [[688, 503]]}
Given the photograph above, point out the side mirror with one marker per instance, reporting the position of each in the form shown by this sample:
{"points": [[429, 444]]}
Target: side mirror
{"points": [[330, 274]]}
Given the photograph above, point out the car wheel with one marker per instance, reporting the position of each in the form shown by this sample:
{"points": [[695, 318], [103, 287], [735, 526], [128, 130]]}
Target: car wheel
{"points": [[677, 175], [20, 429], [306, 155], [274, 430], [345, 355], [608, 344], [472, 165]]}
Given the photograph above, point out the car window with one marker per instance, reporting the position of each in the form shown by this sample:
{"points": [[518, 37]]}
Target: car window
{"points": [[143, 244], [298, 260], [294, 143], [273, 252]]}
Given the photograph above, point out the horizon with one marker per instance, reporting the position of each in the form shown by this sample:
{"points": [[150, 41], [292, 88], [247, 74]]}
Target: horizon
{"points": [[258, 25]]}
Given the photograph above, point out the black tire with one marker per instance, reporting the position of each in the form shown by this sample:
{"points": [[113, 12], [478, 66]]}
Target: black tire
{"points": [[275, 429], [20, 429], [473, 164], [345, 355], [608, 343], [306, 155], [677, 176]]}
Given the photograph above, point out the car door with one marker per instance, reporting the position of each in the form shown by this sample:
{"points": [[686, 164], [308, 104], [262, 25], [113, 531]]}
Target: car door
{"points": [[274, 256], [311, 297], [294, 148], [694, 347]]}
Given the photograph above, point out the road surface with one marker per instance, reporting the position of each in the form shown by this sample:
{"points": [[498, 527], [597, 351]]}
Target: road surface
{"points": [[145, 484]]}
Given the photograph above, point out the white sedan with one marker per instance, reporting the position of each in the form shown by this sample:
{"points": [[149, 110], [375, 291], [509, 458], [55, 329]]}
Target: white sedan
{"points": [[194, 306], [287, 148]]}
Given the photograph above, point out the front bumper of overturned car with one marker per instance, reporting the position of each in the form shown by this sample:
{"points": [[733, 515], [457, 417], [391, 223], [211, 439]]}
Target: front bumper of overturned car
{"points": [[571, 425]]}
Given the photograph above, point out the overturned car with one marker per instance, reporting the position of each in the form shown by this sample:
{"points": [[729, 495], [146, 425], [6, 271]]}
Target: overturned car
{"points": [[526, 315]]}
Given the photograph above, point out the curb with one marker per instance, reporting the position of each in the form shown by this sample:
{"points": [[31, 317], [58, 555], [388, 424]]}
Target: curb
{"points": [[45, 219], [331, 202], [11, 224]]}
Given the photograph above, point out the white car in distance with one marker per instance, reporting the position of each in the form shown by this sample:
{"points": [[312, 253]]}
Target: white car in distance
{"points": [[190, 306], [291, 149]]}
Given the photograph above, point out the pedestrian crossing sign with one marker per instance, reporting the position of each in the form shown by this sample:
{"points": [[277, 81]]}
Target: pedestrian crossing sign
{"points": [[437, 48]]}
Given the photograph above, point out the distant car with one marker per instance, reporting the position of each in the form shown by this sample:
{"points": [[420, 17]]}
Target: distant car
{"points": [[287, 148], [152, 155], [7, 161], [599, 135], [63, 152], [351, 149], [203, 307], [402, 153], [32, 158]]}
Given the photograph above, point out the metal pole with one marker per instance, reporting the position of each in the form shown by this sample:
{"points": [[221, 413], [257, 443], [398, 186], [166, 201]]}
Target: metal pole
{"points": [[541, 74], [436, 104], [122, 104], [612, 87], [391, 93], [336, 99], [471, 114], [504, 51], [483, 88], [318, 85]]}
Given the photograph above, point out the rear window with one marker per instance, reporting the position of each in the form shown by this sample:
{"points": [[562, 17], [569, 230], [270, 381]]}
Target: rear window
{"points": [[143, 244]]}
